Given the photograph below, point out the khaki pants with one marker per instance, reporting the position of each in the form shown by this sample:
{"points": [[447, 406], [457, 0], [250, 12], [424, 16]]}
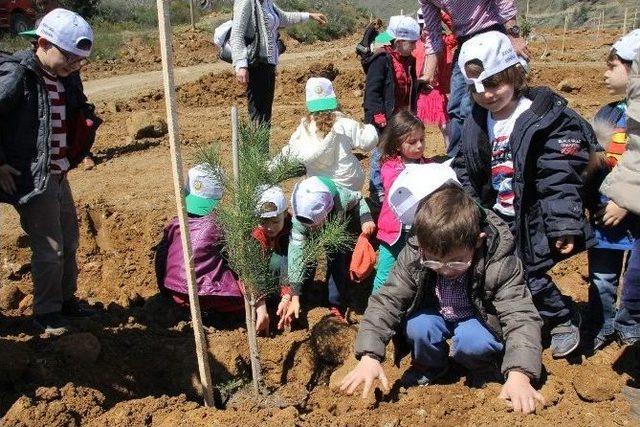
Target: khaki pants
{"points": [[51, 223]]}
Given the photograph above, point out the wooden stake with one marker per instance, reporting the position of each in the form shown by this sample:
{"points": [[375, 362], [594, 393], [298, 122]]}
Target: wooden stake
{"points": [[635, 17], [526, 14], [564, 33], [624, 26], [193, 14], [234, 144], [164, 27]]}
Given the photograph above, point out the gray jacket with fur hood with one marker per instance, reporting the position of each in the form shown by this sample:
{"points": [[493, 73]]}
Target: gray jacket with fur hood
{"points": [[496, 288], [622, 185]]}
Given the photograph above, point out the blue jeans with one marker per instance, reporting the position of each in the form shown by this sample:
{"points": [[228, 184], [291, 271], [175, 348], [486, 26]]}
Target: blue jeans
{"points": [[605, 270], [474, 347], [459, 107], [376, 190], [337, 277]]}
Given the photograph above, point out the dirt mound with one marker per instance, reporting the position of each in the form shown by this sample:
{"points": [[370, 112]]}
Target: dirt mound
{"points": [[52, 406]]}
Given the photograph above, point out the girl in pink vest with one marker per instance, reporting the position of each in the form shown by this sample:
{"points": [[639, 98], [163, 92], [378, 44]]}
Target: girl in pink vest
{"points": [[401, 143]]}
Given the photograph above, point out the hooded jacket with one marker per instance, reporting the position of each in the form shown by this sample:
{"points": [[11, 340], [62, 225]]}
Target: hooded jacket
{"points": [[550, 145], [25, 123], [496, 288], [332, 155]]}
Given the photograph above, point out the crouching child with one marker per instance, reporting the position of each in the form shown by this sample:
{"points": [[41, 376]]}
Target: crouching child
{"points": [[457, 278]]}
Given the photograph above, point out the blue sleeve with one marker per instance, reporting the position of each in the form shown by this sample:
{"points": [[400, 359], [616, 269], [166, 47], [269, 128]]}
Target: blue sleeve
{"points": [[560, 165]]}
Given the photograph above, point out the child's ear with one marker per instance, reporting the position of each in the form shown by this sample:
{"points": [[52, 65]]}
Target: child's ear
{"points": [[480, 240]]}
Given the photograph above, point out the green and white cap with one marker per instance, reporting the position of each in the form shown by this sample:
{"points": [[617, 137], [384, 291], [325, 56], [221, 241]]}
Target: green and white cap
{"points": [[320, 95], [205, 190]]}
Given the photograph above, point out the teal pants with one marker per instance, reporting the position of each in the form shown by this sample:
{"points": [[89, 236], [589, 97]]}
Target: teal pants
{"points": [[387, 255]]}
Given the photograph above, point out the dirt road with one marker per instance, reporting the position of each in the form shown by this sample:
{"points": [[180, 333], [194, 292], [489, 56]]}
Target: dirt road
{"points": [[127, 86]]}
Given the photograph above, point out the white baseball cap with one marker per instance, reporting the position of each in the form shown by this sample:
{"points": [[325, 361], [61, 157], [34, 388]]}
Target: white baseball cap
{"points": [[415, 183], [628, 46], [320, 95], [312, 200], [273, 195], [67, 30], [403, 28], [493, 49], [205, 190]]}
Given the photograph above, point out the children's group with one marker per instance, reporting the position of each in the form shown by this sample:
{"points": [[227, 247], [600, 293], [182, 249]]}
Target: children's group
{"points": [[464, 242]]}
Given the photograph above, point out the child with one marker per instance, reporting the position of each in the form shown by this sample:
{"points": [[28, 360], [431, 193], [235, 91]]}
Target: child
{"points": [[402, 143], [622, 186], [273, 235], [313, 201], [432, 101], [325, 139], [522, 154], [46, 128], [615, 235], [218, 288], [457, 278], [390, 87]]}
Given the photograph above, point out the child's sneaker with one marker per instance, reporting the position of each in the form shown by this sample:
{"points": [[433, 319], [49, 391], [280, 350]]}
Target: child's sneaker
{"points": [[51, 323], [565, 337], [414, 376]]}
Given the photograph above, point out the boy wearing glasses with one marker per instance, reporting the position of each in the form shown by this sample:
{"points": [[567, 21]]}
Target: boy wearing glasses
{"points": [[46, 129], [457, 278]]}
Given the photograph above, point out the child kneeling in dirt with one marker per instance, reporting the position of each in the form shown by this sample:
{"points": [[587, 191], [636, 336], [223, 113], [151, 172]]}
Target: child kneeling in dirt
{"points": [[457, 278], [522, 154], [313, 201], [325, 139]]}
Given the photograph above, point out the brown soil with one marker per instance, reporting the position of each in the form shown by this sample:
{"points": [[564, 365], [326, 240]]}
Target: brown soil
{"points": [[135, 363]]}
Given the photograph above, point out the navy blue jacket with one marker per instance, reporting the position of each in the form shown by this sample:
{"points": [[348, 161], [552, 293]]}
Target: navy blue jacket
{"points": [[25, 127], [550, 146]]}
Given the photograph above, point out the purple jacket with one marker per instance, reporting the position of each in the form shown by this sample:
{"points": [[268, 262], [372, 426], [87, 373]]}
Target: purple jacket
{"points": [[213, 275]]}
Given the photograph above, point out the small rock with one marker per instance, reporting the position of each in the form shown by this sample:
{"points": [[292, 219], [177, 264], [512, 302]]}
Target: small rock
{"points": [[48, 394], [357, 93], [569, 85], [10, 297], [83, 348], [144, 124], [391, 422]]}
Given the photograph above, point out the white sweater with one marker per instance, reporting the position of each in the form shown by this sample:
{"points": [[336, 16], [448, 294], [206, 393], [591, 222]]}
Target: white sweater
{"points": [[332, 156]]}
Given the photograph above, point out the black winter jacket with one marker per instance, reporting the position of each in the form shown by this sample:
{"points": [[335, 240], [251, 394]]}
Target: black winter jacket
{"points": [[550, 145], [379, 90], [25, 126]]}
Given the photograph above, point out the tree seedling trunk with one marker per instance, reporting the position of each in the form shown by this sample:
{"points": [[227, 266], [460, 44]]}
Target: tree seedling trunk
{"points": [[252, 337]]}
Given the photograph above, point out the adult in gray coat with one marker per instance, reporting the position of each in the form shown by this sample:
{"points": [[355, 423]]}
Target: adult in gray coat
{"points": [[255, 51], [492, 295]]}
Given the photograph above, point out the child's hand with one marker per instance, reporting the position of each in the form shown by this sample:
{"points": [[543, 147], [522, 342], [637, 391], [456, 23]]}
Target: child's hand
{"points": [[293, 309], [319, 18], [7, 184], [367, 370], [262, 319], [242, 75], [282, 309], [518, 391], [565, 244], [612, 214], [368, 228]]}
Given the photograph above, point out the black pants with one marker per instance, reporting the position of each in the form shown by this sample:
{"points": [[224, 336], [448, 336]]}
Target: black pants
{"points": [[260, 91]]}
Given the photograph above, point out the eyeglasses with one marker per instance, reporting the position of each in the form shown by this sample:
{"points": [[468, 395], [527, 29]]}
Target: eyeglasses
{"points": [[71, 58], [439, 265]]}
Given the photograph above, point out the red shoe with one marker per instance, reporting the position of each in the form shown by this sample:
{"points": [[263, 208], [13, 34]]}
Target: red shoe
{"points": [[338, 314]]}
